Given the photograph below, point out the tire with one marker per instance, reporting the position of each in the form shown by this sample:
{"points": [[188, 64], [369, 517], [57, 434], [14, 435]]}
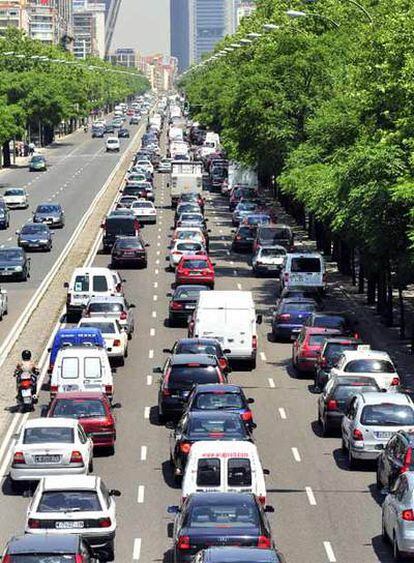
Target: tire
{"points": [[352, 462], [378, 480], [343, 445], [126, 352], [24, 276], [253, 363], [326, 430], [16, 486], [161, 417], [90, 466]]}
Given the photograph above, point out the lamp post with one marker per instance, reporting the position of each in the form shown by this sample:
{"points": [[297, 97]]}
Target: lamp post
{"points": [[354, 3], [300, 14]]}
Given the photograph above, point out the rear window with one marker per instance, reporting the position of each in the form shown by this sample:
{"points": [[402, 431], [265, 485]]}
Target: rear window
{"points": [[48, 434], [247, 232], [343, 392], [299, 307], [191, 294], [274, 234], [93, 368], [334, 350], [195, 264], [70, 368], [239, 472], [216, 427], [329, 321], [142, 205], [387, 415], [183, 377], [105, 308], [189, 246], [79, 408], [218, 401], [316, 339], [208, 473], [272, 252], [121, 225], [108, 328], [134, 244], [99, 283], [233, 515], [369, 366], [81, 284], [69, 501], [306, 265]]}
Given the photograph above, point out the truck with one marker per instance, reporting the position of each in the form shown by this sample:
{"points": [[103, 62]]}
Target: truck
{"points": [[186, 177], [4, 303]]}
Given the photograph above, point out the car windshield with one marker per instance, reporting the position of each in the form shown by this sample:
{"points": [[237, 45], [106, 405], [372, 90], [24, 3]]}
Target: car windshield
{"points": [[387, 415], [105, 328], [298, 307], [369, 366], [11, 255], [47, 209], [216, 427], [185, 377], [257, 219], [246, 232], [329, 321], [33, 229], [14, 191], [105, 307], [78, 408], [316, 339], [189, 246], [189, 293], [48, 434], [195, 264], [274, 234], [69, 501], [223, 515], [333, 350], [37, 159], [344, 392], [272, 252], [218, 401], [306, 265]]}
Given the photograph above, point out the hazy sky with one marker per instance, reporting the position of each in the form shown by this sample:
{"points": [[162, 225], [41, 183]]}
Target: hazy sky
{"points": [[143, 25]]}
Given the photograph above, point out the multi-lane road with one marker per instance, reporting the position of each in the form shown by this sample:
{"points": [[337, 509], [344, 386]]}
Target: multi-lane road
{"points": [[323, 511]]}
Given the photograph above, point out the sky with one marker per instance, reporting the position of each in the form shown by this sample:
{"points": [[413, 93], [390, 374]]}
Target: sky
{"points": [[143, 25]]}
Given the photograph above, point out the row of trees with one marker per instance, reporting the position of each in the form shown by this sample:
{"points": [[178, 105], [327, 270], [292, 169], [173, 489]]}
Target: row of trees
{"points": [[36, 95], [328, 113]]}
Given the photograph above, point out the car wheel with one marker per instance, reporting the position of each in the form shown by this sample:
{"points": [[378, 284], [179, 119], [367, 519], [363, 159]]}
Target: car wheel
{"points": [[161, 416], [121, 361], [126, 352], [24, 276], [343, 445], [90, 466], [253, 363], [325, 428], [352, 462]]}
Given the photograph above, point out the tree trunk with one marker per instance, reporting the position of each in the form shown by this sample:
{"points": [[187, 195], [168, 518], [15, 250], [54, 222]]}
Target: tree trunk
{"points": [[6, 154], [361, 279], [389, 311], [371, 289], [402, 311]]}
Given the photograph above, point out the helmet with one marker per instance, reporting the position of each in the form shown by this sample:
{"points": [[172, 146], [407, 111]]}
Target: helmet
{"points": [[26, 355]]}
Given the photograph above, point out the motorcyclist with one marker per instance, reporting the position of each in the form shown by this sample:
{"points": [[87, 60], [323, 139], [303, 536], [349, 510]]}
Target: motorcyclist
{"points": [[26, 366]]}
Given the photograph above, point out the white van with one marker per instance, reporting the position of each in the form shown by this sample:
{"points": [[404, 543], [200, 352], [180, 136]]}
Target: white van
{"points": [[82, 368], [304, 270], [224, 467], [90, 282], [230, 317]]}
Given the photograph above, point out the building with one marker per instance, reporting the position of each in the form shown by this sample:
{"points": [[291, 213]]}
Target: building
{"points": [[89, 28], [50, 21], [160, 70], [209, 22], [13, 13], [180, 32], [244, 9], [125, 57]]}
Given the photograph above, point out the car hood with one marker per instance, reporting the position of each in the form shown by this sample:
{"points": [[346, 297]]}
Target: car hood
{"points": [[34, 236], [7, 264], [54, 214]]}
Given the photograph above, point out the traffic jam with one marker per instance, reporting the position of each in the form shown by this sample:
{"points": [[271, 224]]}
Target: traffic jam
{"points": [[223, 512]]}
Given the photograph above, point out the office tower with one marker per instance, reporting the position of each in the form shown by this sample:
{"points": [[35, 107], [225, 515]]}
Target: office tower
{"points": [[180, 32]]}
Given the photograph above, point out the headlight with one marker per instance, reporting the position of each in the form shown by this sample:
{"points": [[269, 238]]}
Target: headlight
{"points": [[44, 241], [18, 269]]}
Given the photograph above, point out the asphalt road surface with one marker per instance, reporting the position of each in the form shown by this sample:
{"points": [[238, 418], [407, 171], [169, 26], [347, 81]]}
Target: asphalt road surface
{"points": [[323, 511]]}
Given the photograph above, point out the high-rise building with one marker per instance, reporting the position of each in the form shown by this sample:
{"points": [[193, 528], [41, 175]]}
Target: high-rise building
{"points": [[180, 32], [210, 21], [13, 13], [50, 21], [89, 28]]}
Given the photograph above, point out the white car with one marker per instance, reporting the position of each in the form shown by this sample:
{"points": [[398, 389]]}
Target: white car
{"points": [[189, 233], [144, 211], [72, 505], [16, 198], [269, 260], [165, 166], [112, 144], [145, 165], [116, 338], [182, 248], [372, 363], [50, 446]]}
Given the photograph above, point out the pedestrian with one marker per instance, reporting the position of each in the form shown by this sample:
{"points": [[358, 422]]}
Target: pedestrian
{"points": [[32, 148]]}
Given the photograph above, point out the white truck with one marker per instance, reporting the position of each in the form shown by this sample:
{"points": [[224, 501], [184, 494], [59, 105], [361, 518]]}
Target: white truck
{"points": [[179, 150], [4, 303], [186, 177]]}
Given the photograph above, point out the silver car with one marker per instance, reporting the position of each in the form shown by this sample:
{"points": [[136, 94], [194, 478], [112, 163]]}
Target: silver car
{"points": [[398, 516], [370, 420], [114, 307]]}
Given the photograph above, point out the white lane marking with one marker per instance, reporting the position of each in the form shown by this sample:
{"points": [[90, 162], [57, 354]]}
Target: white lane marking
{"points": [[221, 231], [158, 253], [147, 412], [144, 452], [231, 263], [156, 271], [234, 272], [155, 297], [151, 354], [329, 552], [158, 244], [140, 497], [9, 239], [282, 413], [263, 357], [296, 454], [136, 553], [155, 285], [311, 496], [228, 253], [271, 382], [239, 286], [152, 331], [159, 236], [159, 229], [149, 379], [154, 314]]}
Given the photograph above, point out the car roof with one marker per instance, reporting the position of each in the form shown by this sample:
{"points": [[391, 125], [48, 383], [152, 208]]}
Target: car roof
{"points": [[195, 257], [183, 359], [192, 286], [91, 270], [227, 554], [222, 446], [68, 395], [366, 355], [196, 341], [70, 482], [213, 498], [52, 422], [378, 397], [106, 299], [309, 330], [50, 543], [220, 387]]}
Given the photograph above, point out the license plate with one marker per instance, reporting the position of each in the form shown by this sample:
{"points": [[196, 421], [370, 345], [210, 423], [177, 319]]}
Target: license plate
{"points": [[383, 435], [70, 387], [69, 525], [196, 274], [26, 393], [189, 307], [6, 273], [47, 458]]}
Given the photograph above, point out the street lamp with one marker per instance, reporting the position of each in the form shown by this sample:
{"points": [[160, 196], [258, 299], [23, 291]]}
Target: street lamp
{"points": [[235, 45], [355, 3], [246, 41], [299, 14], [270, 26], [254, 35]]}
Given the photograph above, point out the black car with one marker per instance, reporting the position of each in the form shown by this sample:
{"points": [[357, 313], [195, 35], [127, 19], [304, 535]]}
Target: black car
{"points": [[123, 133], [183, 302], [199, 425], [98, 132], [334, 400], [126, 201], [109, 129], [14, 263], [50, 213], [129, 250], [331, 351], [345, 322], [271, 235], [397, 457], [238, 555], [201, 346], [291, 315], [243, 239], [117, 225], [179, 375], [142, 190], [48, 547], [214, 519], [35, 236], [4, 215]]}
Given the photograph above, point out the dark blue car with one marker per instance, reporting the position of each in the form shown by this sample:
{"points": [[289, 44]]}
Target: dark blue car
{"points": [[74, 337], [48, 547], [238, 555], [290, 316]]}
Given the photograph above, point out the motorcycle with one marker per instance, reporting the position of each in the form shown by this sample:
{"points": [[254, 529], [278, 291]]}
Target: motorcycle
{"points": [[26, 383]]}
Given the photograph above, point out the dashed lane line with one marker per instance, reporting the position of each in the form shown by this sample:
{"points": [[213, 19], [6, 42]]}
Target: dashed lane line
{"points": [[282, 413], [263, 357], [151, 354], [149, 379], [141, 492], [147, 411], [329, 552], [152, 331], [271, 383], [296, 454], [136, 552], [144, 453], [311, 496], [154, 314]]}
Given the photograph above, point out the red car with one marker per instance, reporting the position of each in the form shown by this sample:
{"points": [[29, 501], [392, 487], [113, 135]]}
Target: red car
{"points": [[306, 348], [194, 268], [94, 413]]}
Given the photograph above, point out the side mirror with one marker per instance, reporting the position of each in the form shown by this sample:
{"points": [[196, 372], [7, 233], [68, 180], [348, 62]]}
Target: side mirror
{"points": [[174, 509], [49, 350], [209, 230], [113, 370], [168, 184], [102, 225], [147, 244], [259, 319], [157, 370], [253, 425], [66, 285], [116, 406], [250, 400], [132, 305], [269, 508], [17, 232], [114, 492], [266, 471], [167, 351], [170, 425]]}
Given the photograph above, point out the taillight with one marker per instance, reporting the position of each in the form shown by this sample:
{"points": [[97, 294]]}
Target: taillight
{"points": [[183, 542], [238, 237], [104, 523], [357, 435], [332, 405], [185, 447], [33, 523], [25, 384], [175, 305], [76, 457], [108, 389], [395, 381], [283, 317], [408, 515], [166, 392], [18, 458], [254, 342], [123, 316], [407, 460], [223, 363], [246, 416], [54, 388], [263, 542], [116, 342], [7, 559], [262, 500]]}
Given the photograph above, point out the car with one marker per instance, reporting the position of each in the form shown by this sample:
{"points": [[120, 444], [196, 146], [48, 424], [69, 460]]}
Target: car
{"points": [[199, 425], [129, 250], [242, 209], [14, 263], [329, 355], [134, 120], [16, 198], [306, 347], [268, 260], [369, 422], [112, 144], [239, 193], [126, 201], [136, 176], [37, 163], [194, 197], [75, 503], [109, 129], [190, 233], [290, 316], [364, 361], [35, 236], [98, 132], [47, 446], [123, 133], [112, 307], [94, 413], [4, 215], [201, 346], [186, 207], [398, 516], [50, 213], [183, 302], [216, 519], [191, 219], [48, 547], [256, 219], [334, 400], [116, 339], [194, 267], [165, 166], [243, 239], [143, 190], [396, 458], [182, 248], [119, 223], [179, 374], [145, 165], [345, 322], [224, 397], [144, 211], [274, 235]]}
